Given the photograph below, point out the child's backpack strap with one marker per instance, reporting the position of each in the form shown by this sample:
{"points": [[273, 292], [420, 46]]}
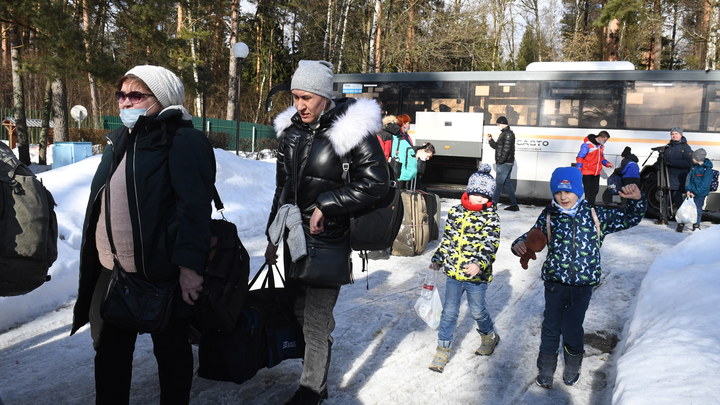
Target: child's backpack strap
{"points": [[596, 220]]}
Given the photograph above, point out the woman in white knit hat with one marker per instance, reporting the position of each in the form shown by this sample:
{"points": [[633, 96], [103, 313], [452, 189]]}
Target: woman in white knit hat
{"points": [[148, 218], [314, 134]]}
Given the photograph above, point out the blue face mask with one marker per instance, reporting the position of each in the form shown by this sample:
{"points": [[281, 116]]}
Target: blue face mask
{"points": [[130, 116]]}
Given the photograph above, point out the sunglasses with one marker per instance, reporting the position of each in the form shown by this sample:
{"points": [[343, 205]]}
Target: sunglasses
{"points": [[133, 96]]}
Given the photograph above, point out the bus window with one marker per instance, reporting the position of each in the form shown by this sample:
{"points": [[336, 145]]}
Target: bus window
{"points": [[518, 101], [663, 105], [386, 94], [713, 108], [433, 96], [588, 104]]}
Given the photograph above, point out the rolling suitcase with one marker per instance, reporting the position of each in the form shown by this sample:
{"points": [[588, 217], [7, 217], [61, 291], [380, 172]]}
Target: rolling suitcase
{"points": [[432, 202], [414, 232]]}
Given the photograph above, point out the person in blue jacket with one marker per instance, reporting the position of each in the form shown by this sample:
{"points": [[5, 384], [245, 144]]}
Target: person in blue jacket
{"points": [[575, 231], [408, 157], [697, 184]]}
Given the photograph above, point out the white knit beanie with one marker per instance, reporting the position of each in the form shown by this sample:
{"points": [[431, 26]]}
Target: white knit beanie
{"points": [[314, 76], [164, 84]]}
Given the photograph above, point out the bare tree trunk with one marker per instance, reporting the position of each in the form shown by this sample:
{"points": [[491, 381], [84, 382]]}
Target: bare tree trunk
{"points": [[328, 31], [409, 37], [94, 96], [233, 66], [612, 39], [60, 111], [712, 57], [657, 36], [21, 129], [45, 125], [376, 37], [344, 17]]}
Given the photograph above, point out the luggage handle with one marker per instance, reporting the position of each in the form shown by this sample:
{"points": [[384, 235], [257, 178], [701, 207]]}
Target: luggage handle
{"points": [[269, 280]]}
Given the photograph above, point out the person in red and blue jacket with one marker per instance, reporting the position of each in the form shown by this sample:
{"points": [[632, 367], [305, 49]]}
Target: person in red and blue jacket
{"points": [[590, 160], [575, 231]]}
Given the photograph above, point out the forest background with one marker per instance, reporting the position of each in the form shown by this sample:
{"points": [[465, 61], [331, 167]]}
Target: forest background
{"points": [[60, 53]]}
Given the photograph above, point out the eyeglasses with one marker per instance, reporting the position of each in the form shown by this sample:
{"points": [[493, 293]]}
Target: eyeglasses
{"points": [[134, 96]]}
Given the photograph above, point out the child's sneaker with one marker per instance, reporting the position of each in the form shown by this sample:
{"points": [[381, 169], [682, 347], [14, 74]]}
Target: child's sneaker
{"points": [[440, 359], [488, 343]]}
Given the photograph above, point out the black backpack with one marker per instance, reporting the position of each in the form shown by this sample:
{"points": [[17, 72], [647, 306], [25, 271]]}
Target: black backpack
{"points": [[376, 227], [28, 227], [225, 281]]}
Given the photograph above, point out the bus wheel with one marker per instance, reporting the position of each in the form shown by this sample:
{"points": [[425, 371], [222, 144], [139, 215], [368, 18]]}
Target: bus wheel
{"points": [[649, 186]]}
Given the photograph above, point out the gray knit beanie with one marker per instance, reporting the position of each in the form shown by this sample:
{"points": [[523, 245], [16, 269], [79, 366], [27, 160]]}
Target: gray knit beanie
{"points": [[314, 76], [164, 84], [700, 155], [676, 129], [482, 182]]}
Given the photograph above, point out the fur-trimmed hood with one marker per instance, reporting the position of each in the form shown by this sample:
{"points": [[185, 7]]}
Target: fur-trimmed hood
{"points": [[347, 124]]}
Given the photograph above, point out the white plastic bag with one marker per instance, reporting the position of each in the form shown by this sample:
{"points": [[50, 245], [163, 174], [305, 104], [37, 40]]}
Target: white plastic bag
{"points": [[687, 213], [429, 308]]}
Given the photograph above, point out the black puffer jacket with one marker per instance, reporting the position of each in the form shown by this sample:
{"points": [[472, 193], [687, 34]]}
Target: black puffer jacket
{"points": [[504, 146], [349, 128], [678, 159], [170, 181]]}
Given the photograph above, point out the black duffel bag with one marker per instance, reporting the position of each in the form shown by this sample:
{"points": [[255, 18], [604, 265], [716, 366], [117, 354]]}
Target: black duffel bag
{"points": [[266, 334]]}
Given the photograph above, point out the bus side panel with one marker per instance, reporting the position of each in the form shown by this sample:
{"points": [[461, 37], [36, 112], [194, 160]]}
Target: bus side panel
{"points": [[452, 133]]}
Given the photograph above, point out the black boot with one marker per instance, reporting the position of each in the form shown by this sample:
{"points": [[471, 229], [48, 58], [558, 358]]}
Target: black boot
{"points": [[696, 227], [680, 227], [571, 374], [547, 363]]}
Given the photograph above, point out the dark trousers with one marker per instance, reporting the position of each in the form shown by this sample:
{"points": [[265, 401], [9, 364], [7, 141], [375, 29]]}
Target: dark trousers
{"points": [[565, 308], [114, 347], [591, 184]]}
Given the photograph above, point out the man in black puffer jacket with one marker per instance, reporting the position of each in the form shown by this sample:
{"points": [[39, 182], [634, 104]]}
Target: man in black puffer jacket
{"points": [[504, 161], [314, 134]]}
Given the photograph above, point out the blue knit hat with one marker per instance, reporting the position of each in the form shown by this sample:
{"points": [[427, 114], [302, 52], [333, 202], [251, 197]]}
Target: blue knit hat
{"points": [[567, 179], [482, 182]]}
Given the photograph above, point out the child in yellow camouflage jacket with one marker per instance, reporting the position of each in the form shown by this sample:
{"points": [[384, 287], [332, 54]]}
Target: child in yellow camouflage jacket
{"points": [[465, 255]]}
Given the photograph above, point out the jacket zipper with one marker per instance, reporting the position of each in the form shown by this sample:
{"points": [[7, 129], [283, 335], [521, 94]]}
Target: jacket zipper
{"points": [[137, 208]]}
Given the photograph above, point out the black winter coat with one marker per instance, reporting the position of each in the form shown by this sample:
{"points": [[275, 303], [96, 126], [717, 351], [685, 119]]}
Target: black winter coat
{"points": [[170, 186], [678, 159], [504, 146], [347, 129]]}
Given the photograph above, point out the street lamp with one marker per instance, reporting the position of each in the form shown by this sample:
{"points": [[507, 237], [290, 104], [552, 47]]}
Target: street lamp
{"points": [[240, 50]]}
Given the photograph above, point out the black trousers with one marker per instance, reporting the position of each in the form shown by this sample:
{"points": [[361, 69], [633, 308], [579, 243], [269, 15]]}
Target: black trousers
{"points": [[591, 184], [114, 347], [565, 308]]}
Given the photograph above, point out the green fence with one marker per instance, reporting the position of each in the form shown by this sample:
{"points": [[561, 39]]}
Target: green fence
{"points": [[222, 132]]}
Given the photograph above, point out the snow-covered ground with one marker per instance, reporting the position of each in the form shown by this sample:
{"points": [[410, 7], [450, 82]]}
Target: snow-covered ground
{"points": [[659, 301]]}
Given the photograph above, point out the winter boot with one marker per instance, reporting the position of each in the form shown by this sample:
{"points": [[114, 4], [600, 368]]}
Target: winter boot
{"points": [[571, 374], [487, 343], [680, 227], [547, 363], [440, 359], [696, 227]]}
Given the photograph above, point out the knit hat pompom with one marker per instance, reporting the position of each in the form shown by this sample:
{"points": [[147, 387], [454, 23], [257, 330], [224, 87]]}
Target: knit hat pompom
{"points": [[482, 182], [164, 84], [567, 179], [314, 76]]}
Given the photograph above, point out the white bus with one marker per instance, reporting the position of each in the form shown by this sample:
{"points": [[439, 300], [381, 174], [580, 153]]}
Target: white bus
{"points": [[551, 112]]}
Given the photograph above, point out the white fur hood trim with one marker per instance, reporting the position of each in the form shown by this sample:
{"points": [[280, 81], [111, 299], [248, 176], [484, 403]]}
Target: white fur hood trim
{"points": [[360, 119]]}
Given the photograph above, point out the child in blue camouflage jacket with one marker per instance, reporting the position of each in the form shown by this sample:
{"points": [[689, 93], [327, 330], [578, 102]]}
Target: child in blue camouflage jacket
{"points": [[575, 231], [466, 254]]}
